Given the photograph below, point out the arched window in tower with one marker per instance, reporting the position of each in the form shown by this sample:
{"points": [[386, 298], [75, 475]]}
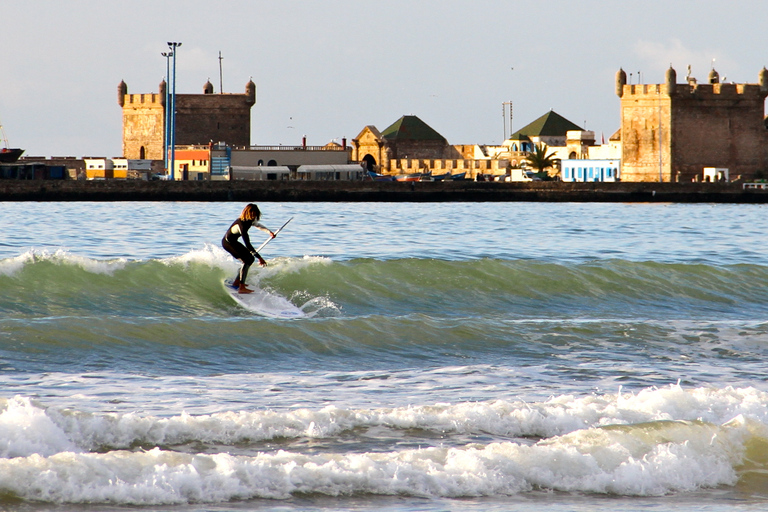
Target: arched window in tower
{"points": [[572, 156], [142, 153]]}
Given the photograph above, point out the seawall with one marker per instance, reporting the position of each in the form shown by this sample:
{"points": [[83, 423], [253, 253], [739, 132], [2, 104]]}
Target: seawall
{"points": [[369, 191]]}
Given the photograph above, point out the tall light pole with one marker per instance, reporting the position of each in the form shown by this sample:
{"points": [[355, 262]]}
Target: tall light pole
{"points": [[504, 117], [174, 50], [166, 121]]}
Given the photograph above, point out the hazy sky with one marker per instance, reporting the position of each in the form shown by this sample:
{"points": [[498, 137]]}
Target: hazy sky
{"points": [[326, 69]]}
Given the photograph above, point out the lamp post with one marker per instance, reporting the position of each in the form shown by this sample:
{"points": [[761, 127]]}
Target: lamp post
{"points": [[174, 49], [166, 121]]}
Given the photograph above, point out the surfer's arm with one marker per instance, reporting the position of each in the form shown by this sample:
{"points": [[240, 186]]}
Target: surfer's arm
{"points": [[264, 228], [247, 242]]}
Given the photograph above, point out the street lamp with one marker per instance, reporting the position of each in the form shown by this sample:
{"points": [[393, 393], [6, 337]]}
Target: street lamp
{"points": [[166, 120], [174, 49]]}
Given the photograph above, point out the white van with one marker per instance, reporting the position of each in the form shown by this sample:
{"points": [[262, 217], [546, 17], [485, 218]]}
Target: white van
{"points": [[517, 174]]}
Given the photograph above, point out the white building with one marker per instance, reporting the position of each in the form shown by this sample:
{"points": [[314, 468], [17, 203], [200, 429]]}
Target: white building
{"points": [[590, 170]]}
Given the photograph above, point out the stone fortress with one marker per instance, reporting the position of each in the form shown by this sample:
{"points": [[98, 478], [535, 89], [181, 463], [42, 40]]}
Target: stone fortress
{"points": [[669, 132], [200, 119]]}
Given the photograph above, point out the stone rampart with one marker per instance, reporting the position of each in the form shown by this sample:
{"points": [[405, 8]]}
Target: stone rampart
{"points": [[375, 191]]}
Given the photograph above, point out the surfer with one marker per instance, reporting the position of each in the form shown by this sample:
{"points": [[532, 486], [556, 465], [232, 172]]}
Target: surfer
{"points": [[246, 253]]}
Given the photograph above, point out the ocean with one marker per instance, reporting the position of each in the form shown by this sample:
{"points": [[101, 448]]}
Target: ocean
{"points": [[456, 356]]}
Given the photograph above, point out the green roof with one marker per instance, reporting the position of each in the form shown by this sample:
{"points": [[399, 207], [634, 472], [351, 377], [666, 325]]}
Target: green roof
{"points": [[411, 128], [550, 124]]}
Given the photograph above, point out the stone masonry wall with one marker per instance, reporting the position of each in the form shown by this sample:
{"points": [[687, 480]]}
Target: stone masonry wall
{"points": [[143, 126], [204, 118]]}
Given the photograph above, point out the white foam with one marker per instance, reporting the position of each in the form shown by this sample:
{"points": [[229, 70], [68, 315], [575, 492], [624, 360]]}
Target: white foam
{"points": [[216, 257], [211, 255], [652, 459], [26, 429], [558, 416], [12, 266]]}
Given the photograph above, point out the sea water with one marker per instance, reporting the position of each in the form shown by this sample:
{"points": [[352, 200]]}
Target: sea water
{"points": [[457, 356]]}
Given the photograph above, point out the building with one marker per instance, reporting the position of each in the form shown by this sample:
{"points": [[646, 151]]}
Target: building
{"points": [[200, 119], [550, 129], [221, 161], [589, 170], [410, 146], [672, 131]]}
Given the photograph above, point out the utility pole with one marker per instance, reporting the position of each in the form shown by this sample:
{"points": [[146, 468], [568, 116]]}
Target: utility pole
{"points": [[167, 121], [221, 75], [174, 46], [504, 117]]}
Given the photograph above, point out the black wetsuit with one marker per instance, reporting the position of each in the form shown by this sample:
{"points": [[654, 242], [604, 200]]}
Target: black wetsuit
{"points": [[245, 253]]}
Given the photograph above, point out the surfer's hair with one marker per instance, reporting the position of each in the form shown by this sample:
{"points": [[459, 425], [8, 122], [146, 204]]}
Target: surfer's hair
{"points": [[250, 212]]}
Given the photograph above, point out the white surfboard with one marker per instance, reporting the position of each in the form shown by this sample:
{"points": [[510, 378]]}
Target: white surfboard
{"points": [[264, 303]]}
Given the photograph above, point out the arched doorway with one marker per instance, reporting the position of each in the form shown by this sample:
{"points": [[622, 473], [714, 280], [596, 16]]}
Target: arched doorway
{"points": [[369, 163]]}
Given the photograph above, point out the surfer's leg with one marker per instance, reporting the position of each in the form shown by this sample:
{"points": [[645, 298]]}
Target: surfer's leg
{"points": [[247, 262]]}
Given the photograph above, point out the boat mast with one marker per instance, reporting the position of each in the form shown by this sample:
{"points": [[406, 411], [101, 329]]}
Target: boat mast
{"points": [[5, 139]]}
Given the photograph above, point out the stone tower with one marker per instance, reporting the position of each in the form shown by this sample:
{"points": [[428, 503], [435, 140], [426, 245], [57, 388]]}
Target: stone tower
{"points": [[671, 131], [200, 119]]}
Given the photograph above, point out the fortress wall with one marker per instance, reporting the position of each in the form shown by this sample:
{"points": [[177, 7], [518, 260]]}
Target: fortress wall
{"points": [[204, 118], [700, 125], [143, 126]]}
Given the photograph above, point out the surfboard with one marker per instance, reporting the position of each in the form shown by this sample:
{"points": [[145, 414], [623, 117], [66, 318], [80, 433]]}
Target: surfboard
{"points": [[264, 303]]}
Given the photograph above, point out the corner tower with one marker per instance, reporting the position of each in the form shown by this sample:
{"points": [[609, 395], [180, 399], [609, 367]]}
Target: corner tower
{"points": [[200, 119], [671, 131]]}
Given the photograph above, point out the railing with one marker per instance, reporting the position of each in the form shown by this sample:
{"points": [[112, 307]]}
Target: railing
{"points": [[294, 148]]}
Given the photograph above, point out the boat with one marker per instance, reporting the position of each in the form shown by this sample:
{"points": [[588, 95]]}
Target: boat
{"points": [[380, 177], [8, 155], [410, 177], [458, 177]]}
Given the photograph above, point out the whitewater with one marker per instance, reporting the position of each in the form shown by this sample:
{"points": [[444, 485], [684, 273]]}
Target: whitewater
{"points": [[455, 356]]}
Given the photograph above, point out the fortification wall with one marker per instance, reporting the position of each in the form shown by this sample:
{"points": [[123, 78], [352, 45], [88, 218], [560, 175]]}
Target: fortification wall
{"points": [[248, 191], [143, 126], [204, 118], [675, 130]]}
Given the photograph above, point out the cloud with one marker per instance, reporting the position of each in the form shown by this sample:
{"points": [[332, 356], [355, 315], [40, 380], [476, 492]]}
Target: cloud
{"points": [[658, 56]]}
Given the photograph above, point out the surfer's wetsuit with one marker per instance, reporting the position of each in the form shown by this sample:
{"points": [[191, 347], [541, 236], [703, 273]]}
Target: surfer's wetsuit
{"points": [[245, 253]]}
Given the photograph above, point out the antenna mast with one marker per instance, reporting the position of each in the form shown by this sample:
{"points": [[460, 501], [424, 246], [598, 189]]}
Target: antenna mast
{"points": [[221, 79]]}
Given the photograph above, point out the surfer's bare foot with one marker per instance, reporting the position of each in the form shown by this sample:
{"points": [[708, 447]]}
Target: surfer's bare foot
{"points": [[243, 289]]}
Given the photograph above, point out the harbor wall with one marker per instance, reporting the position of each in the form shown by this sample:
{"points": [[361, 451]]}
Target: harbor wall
{"points": [[374, 191]]}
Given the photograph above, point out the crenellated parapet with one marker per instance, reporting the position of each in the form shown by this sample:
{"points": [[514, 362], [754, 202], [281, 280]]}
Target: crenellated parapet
{"points": [[670, 131], [200, 118], [713, 90]]}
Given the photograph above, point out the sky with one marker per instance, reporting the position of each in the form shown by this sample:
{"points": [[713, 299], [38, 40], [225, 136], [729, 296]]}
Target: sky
{"points": [[326, 69]]}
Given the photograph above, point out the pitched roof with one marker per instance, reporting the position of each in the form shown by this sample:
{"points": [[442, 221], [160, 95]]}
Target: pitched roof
{"points": [[411, 128], [550, 124], [371, 129]]}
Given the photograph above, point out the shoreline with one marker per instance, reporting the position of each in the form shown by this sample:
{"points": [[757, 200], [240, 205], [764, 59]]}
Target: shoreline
{"points": [[376, 191]]}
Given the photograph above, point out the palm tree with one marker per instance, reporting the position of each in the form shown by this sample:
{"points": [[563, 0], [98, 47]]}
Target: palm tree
{"points": [[538, 158]]}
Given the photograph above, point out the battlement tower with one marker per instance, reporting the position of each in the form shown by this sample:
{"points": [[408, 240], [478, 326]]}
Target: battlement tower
{"points": [[671, 131], [200, 119]]}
